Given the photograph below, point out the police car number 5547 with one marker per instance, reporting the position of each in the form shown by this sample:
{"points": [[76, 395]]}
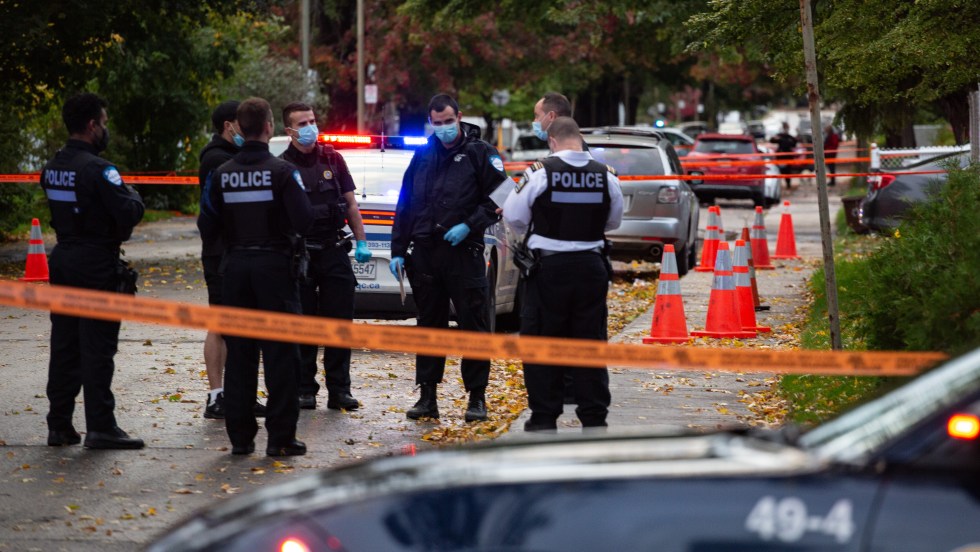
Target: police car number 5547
{"points": [[365, 271]]}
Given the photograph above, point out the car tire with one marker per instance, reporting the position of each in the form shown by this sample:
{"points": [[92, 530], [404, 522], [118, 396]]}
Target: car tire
{"points": [[759, 199], [511, 322], [683, 261]]}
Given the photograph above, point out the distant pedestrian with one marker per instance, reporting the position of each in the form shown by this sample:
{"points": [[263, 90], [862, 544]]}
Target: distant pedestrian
{"points": [[831, 142], [329, 287], [443, 209], [224, 144], [568, 201], [92, 213], [785, 143], [261, 206]]}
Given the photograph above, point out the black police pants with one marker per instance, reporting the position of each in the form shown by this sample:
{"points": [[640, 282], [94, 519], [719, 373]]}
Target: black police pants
{"points": [[566, 297], [329, 293], [260, 280], [439, 273], [82, 349]]}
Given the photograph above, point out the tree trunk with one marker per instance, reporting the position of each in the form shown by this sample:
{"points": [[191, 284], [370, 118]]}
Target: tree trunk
{"points": [[956, 110]]}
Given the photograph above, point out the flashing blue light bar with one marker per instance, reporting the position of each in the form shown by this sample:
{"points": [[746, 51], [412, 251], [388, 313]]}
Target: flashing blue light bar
{"points": [[368, 140], [415, 140]]}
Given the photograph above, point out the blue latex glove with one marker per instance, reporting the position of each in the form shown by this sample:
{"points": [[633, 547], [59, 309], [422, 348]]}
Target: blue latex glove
{"points": [[457, 233], [362, 254], [397, 265]]}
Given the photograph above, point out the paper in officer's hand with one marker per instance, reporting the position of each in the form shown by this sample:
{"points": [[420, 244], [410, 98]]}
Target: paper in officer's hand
{"points": [[499, 195]]}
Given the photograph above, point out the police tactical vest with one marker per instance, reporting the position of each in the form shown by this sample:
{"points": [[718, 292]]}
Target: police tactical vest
{"points": [[575, 203], [251, 215], [79, 212], [321, 179]]}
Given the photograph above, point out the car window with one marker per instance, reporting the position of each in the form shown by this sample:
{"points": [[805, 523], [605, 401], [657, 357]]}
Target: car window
{"points": [[376, 172], [630, 161], [531, 143], [724, 146]]}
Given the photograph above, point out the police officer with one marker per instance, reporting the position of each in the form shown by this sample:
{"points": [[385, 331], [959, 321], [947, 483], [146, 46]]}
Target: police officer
{"points": [[260, 204], [223, 146], [785, 143], [329, 289], [92, 213], [568, 200], [551, 106], [443, 209]]}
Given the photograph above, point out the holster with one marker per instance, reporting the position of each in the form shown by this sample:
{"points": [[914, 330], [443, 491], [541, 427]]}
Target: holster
{"points": [[126, 277], [299, 265]]}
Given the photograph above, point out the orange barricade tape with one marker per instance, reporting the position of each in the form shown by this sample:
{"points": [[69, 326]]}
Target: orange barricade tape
{"points": [[34, 178], [315, 330]]}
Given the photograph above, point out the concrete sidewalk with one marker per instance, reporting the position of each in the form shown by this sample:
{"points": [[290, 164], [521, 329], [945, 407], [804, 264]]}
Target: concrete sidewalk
{"points": [[706, 400]]}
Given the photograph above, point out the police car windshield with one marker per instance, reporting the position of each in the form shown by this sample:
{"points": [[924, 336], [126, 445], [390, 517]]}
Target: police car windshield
{"points": [[630, 161], [724, 146], [376, 172]]}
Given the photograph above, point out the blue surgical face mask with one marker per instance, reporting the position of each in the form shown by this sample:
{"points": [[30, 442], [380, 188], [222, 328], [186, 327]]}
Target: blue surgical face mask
{"points": [[539, 132], [307, 135], [238, 140], [446, 133]]}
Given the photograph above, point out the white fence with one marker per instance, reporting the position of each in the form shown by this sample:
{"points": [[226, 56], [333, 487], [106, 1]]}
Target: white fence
{"points": [[898, 158]]}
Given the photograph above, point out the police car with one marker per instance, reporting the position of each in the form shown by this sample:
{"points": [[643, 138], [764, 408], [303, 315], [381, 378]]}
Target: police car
{"points": [[377, 165], [899, 473]]}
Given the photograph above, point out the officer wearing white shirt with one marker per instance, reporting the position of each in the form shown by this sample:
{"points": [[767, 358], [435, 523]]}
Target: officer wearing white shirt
{"points": [[568, 200]]}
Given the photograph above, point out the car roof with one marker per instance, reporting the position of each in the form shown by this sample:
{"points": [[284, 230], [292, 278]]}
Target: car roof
{"points": [[649, 133], [624, 140], [725, 137]]}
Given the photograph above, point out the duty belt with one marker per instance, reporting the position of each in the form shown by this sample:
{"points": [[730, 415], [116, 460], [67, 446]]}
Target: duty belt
{"points": [[548, 252]]}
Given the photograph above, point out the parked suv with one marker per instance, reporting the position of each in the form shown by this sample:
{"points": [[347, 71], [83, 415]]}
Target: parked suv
{"points": [[723, 155], [655, 212]]}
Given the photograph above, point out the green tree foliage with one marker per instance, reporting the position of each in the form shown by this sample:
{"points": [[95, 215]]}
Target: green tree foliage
{"points": [[921, 289]]}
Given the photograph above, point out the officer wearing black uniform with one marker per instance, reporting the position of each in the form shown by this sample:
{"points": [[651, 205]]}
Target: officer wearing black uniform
{"points": [[92, 212], [568, 200], [329, 288], [443, 210], [224, 144], [260, 204]]}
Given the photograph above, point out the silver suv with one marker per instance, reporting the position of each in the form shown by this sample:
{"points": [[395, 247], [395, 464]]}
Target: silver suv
{"points": [[655, 212]]}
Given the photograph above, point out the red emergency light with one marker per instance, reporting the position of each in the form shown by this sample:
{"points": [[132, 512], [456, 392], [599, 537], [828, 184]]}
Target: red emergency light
{"points": [[345, 139], [963, 426]]}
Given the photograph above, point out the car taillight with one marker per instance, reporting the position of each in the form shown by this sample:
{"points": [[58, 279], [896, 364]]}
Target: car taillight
{"points": [[963, 426], [881, 181], [668, 194]]}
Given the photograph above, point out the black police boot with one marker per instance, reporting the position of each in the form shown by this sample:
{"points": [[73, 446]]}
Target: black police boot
{"points": [[62, 437], [476, 411], [291, 448], [258, 409], [307, 401], [115, 438], [243, 449], [215, 410], [427, 407], [342, 400]]}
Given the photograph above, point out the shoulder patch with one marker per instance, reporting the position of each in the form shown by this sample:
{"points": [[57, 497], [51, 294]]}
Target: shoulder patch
{"points": [[521, 183], [612, 171], [299, 180], [112, 175], [497, 162], [536, 166]]}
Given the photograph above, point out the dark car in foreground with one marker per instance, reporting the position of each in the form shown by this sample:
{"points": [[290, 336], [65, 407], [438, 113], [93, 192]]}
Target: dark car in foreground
{"points": [[899, 473], [889, 195]]}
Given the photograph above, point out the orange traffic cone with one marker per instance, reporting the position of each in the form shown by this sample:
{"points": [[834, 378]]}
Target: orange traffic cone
{"points": [[37, 260], [711, 236], [743, 289], [760, 244], [723, 319], [756, 303], [669, 324], [786, 239]]}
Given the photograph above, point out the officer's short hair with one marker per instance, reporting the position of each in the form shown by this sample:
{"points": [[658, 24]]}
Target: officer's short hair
{"points": [[553, 101], [80, 109], [292, 108], [440, 102], [253, 114], [564, 128], [225, 112]]}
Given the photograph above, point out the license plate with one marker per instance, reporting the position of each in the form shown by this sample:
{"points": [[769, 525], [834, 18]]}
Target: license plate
{"points": [[365, 271]]}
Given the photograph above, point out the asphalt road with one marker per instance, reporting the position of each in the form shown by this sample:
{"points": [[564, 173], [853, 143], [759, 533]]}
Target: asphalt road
{"points": [[74, 499]]}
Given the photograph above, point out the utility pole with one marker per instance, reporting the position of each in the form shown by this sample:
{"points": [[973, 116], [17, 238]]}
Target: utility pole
{"points": [[304, 34], [813, 94], [360, 66]]}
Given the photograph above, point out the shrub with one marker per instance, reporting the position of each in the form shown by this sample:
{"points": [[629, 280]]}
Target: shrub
{"points": [[922, 289]]}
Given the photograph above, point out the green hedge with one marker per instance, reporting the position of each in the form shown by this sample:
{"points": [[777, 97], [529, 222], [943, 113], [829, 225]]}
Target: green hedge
{"points": [[922, 288]]}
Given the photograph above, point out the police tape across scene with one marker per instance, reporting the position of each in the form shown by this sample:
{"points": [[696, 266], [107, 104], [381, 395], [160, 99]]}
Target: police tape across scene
{"points": [[569, 352]]}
